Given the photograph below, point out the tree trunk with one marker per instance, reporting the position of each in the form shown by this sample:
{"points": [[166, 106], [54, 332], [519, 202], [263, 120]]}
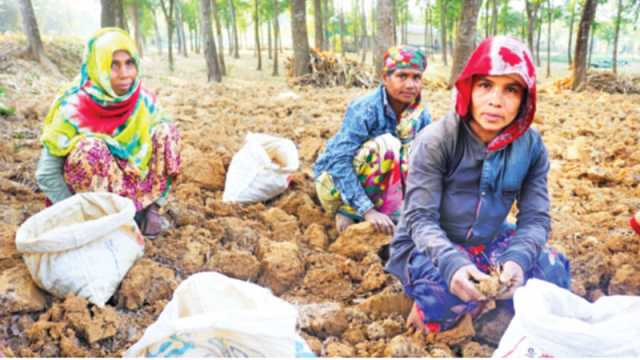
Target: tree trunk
{"points": [[465, 37], [230, 38], [334, 38], [317, 22], [176, 21], [180, 20], [270, 45], [256, 28], [168, 17], [591, 41], [342, 30], [355, 7], [35, 49], [210, 56], [107, 13], [548, 38], [431, 39], [197, 39], [538, 32], [121, 19], [443, 29], [135, 14], [219, 47], [365, 36], [494, 17], [236, 49], [301, 55], [325, 25], [582, 39], [532, 7], [384, 33], [405, 23], [486, 18], [157, 31], [573, 16], [616, 37], [394, 21], [426, 28], [276, 34]]}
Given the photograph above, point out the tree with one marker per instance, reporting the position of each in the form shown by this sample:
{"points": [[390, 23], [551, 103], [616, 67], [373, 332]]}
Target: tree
{"points": [[167, 9], [494, 17], [549, 15], [35, 49], [317, 22], [135, 10], [442, 7], [210, 56], [580, 57], [342, 29], [465, 36], [325, 24], [276, 34], [108, 13], [256, 27], [365, 36], [156, 29], [616, 36], [384, 33], [532, 7], [234, 22], [219, 49], [301, 56], [572, 6]]}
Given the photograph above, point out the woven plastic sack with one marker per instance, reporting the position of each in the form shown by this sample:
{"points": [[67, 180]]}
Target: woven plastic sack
{"points": [[261, 169], [553, 322], [83, 245], [212, 315]]}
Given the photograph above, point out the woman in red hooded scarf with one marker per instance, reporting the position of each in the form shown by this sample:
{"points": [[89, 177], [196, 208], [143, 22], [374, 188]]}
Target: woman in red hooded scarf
{"points": [[465, 173]]}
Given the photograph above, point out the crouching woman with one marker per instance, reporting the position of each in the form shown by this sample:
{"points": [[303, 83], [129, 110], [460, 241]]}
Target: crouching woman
{"points": [[465, 173], [105, 133]]}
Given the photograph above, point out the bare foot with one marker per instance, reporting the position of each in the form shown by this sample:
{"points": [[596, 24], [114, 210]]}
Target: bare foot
{"points": [[342, 222], [414, 321]]}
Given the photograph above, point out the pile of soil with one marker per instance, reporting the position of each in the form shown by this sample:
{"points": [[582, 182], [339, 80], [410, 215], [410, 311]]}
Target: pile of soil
{"points": [[349, 306], [605, 81]]}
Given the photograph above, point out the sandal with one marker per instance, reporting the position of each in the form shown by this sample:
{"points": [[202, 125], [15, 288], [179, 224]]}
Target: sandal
{"points": [[151, 223]]}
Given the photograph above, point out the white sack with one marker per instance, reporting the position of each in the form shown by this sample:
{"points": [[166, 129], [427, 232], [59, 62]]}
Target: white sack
{"points": [[253, 175], [82, 245]]}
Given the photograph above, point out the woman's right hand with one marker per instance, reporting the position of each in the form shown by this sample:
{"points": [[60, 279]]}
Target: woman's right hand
{"points": [[463, 286], [379, 220]]}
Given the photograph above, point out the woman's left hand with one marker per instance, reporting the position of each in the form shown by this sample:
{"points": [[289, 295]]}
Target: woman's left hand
{"points": [[513, 275]]}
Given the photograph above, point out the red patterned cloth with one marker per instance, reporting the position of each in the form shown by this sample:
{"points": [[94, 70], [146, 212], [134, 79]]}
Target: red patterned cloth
{"points": [[500, 55]]}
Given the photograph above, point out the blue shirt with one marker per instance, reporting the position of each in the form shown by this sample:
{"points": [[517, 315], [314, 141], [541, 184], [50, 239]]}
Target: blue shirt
{"points": [[366, 118], [459, 193]]}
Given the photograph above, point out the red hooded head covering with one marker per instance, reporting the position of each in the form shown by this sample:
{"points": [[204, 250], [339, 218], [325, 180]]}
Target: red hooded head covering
{"points": [[500, 55]]}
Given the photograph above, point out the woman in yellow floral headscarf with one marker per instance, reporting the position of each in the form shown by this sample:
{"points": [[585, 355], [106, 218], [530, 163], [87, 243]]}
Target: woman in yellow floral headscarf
{"points": [[106, 133]]}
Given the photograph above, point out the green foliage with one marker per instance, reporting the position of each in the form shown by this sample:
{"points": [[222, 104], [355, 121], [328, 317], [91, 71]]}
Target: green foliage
{"points": [[4, 109], [190, 12]]}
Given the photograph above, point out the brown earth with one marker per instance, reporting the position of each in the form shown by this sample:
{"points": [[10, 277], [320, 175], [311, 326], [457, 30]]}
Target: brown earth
{"points": [[288, 244]]}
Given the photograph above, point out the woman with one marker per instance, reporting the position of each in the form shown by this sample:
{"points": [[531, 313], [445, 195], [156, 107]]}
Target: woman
{"points": [[465, 173], [106, 133], [360, 175]]}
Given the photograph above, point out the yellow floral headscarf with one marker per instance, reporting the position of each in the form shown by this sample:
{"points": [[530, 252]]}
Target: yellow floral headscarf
{"points": [[91, 108]]}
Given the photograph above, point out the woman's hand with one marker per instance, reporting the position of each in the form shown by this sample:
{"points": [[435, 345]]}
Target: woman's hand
{"points": [[513, 275], [379, 220], [463, 283]]}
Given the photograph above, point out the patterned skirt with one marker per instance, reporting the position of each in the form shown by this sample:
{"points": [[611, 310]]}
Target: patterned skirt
{"points": [[91, 167], [440, 310], [380, 165]]}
